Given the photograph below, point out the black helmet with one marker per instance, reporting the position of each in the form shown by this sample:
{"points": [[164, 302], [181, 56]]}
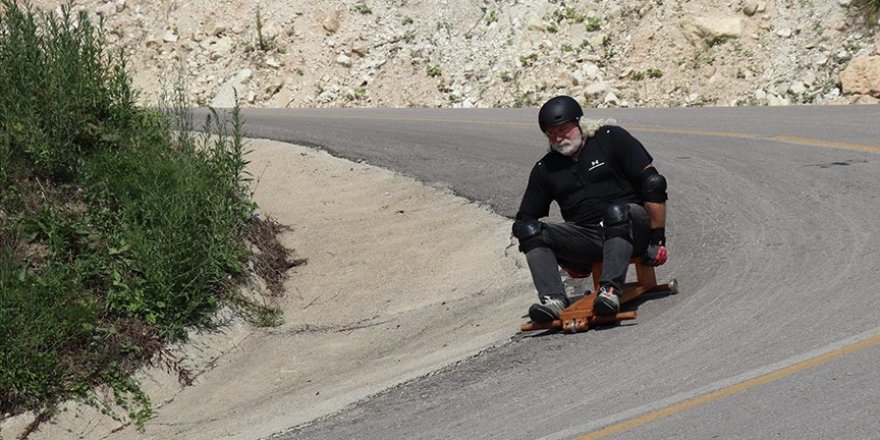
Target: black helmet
{"points": [[557, 111]]}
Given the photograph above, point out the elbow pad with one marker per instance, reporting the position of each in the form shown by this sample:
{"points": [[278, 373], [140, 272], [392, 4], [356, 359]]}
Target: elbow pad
{"points": [[653, 186]]}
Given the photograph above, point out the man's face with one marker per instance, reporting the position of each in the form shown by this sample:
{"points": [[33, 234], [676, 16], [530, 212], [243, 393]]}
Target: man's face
{"points": [[566, 138]]}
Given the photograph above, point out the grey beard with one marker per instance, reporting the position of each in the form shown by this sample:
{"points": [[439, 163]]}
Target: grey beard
{"points": [[565, 148]]}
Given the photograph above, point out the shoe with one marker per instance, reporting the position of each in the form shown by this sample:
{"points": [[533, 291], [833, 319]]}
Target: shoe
{"points": [[607, 302], [548, 310]]}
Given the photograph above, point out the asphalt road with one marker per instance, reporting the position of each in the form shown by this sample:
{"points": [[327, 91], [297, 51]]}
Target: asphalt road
{"points": [[773, 236]]}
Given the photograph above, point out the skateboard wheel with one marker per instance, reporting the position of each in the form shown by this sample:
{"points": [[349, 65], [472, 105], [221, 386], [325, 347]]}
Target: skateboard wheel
{"points": [[673, 286]]}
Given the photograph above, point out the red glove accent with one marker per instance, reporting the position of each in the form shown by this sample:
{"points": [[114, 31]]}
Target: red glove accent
{"points": [[656, 255]]}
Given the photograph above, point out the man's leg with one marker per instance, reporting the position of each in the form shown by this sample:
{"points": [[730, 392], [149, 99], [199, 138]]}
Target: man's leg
{"points": [[625, 230], [542, 243]]}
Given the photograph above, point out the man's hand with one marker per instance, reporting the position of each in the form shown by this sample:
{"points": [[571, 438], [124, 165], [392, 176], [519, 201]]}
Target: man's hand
{"points": [[656, 253]]}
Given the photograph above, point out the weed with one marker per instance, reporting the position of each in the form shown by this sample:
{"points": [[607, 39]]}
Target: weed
{"points": [[637, 75], [528, 60], [262, 43], [870, 9], [407, 21], [654, 73], [433, 70], [119, 228], [593, 24], [362, 8], [491, 17]]}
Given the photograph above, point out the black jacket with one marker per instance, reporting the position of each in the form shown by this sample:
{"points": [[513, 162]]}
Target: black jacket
{"points": [[608, 170]]}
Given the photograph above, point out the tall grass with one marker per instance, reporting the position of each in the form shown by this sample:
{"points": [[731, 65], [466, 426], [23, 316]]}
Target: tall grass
{"points": [[869, 8], [118, 228]]}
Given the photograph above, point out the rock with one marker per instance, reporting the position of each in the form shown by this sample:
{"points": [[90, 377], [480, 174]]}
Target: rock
{"points": [[272, 62], [877, 47], [775, 101], [784, 32], [222, 47], [591, 71], [331, 23], [809, 79], [750, 8], [235, 86], [820, 59], [343, 60], [107, 10], [536, 23], [215, 29], [760, 95], [251, 97], [360, 48], [611, 99], [169, 37], [707, 30], [862, 76], [274, 87], [844, 3], [866, 99], [797, 88], [151, 41]]}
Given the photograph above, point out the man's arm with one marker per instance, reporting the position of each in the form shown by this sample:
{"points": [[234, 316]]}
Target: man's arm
{"points": [[654, 195], [656, 214]]}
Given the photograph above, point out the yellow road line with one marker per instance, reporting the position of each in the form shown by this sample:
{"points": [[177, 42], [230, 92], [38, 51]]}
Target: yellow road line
{"points": [[730, 390], [797, 140]]}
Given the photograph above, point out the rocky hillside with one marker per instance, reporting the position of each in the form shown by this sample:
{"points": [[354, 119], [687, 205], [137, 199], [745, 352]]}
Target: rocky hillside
{"points": [[493, 53]]}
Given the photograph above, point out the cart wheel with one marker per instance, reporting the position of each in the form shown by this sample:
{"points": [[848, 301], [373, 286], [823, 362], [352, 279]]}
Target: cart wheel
{"points": [[572, 326], [673, 286]]}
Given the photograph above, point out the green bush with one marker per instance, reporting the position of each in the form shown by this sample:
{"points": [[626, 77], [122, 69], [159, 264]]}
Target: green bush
{"points": [[118, 227], [870, 9]]}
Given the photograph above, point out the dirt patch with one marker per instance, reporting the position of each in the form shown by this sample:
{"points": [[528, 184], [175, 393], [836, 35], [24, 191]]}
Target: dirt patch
{"points": [[402, 279]]}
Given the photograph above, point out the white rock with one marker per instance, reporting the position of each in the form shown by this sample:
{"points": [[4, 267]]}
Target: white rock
{"points": [[707, 29], [844, 3], [273, 63], [611, 99], [820, 59], [107, 10], [784, 32], [251, 97], [797, 88], [591, 70], [330, 23], [169, 37], [760, 95], [597, 89], [536, 23], [750, 8], [215, 29], [222, 46], [774, 101], [343, 60], [809, 79]]}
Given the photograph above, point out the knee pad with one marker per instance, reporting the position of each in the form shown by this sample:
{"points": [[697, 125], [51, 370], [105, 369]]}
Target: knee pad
{"points": [[528, 232], [616, 221]]}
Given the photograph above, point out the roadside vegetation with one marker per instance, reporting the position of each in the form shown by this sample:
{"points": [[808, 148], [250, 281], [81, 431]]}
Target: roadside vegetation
{"points": [[119, 227], [870, 8]]}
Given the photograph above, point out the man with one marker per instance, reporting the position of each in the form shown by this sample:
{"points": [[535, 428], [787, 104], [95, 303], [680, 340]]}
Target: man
{"points": [[612, 201]]}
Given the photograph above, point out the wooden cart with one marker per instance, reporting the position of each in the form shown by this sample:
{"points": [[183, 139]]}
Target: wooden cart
{"points": [[579, 316]]}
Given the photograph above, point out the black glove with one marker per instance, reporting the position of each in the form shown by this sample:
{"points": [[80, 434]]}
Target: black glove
{"points": [[656, 253]]}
